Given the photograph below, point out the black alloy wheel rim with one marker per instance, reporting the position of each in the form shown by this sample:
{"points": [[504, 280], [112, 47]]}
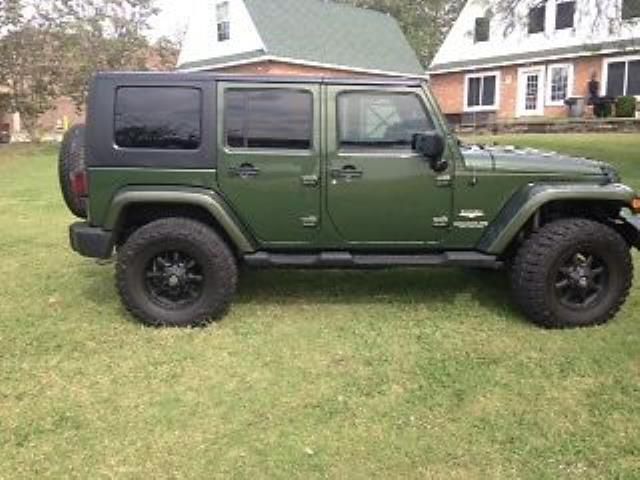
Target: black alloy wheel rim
{"points": [[581, 281], [174, 279]]}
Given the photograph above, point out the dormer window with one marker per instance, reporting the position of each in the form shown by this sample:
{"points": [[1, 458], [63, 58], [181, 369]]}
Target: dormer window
{"points": [[537, 19], [222, 21], [483, 29], [630, 9], [565, 15]]}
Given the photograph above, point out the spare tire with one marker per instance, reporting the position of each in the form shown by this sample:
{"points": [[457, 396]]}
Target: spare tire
{"points": [[71, 162]]}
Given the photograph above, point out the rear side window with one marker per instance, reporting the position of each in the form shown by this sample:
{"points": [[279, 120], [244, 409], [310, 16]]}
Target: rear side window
{"points": [[380, 120], [268, 119], [158, 118]]}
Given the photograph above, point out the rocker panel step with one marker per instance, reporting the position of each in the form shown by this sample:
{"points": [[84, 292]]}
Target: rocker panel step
{"points": [[348, 260]]}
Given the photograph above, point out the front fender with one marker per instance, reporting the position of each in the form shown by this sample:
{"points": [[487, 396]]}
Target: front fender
{"points": [[206, 199], [526, 202]]}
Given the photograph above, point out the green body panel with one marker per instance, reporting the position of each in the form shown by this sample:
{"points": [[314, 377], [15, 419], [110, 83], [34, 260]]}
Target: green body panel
{"points": [[281, 205], [528, 201], [204, 198], [480, 203], [106, 183], [396, 200]]}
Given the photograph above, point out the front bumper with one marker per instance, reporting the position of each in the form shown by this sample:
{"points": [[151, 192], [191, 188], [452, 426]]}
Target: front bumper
{"points": [[90, 241]]}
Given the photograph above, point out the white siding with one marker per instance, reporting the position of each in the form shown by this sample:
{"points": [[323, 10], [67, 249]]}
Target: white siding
{"points": [[590, 28], [201, 41]]}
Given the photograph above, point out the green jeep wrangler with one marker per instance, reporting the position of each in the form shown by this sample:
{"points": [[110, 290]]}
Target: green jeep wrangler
{"points": [[190, 176]]}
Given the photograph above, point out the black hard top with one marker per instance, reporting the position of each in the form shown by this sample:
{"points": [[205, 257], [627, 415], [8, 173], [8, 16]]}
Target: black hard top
{"points": [[206, 76]]}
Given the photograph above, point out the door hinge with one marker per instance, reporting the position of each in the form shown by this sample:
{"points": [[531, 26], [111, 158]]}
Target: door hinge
{"points": [[441, 222], [309, 222], [310, 180], [444, 180]]}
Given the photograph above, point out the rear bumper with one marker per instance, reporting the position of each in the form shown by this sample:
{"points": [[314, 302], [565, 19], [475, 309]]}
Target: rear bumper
{"points": [[90, 241]]}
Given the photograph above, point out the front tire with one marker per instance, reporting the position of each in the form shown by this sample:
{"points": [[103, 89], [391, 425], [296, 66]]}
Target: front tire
{"points": [[572, 273], [176, 273]]}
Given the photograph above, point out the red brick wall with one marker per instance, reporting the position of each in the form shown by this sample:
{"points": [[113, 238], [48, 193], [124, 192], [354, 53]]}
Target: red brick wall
{"points": [[287, 69], [449, 87]]}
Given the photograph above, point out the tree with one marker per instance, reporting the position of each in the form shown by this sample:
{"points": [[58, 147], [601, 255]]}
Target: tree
{"points": [[50, 48]]}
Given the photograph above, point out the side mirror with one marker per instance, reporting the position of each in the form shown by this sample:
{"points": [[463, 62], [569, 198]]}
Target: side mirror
{"points": [[432, 146]]}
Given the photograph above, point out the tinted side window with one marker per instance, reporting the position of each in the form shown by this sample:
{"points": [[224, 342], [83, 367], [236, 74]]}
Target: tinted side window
{"points": [[380, 120], [159, 118], [268, 119]]}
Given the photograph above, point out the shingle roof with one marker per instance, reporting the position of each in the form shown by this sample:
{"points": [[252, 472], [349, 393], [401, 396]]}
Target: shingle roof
{"points": [[328, 33]]}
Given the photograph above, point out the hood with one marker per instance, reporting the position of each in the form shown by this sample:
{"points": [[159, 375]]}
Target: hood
{"points": [[512, 159]]}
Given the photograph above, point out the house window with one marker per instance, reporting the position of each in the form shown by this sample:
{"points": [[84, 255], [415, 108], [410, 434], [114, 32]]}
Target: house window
{"points": [[560, 82], [268, 119], [537, 17], [623, 78], [222, 21], [158, 118], [483, 29], [630, 9], [377, 121], [565, 15], [482, 92]]}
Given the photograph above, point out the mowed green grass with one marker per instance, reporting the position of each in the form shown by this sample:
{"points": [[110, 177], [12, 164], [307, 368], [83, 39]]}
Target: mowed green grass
{"points": [[399, 374]]}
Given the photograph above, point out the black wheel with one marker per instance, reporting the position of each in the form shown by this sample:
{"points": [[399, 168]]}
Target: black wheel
{"points": [[176, 273], [572, 273], [71, 160]]}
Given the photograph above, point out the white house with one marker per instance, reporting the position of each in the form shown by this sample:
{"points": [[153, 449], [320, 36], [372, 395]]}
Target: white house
{"points": [[495, 67], [296, 37]]}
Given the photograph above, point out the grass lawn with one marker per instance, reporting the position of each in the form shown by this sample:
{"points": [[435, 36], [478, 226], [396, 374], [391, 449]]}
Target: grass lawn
{"points": [[400, 374]]}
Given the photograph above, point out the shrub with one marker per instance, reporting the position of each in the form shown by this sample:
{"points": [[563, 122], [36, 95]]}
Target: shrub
{"points": [[626, 107]]}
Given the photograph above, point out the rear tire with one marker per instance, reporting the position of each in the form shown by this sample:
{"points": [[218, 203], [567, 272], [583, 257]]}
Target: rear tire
{"points": [[71, 160], [176, 273], [572, 273]]}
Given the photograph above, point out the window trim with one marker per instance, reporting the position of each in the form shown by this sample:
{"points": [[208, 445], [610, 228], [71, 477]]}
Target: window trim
{"points": [[573, 20], [380, 151], [549, 85], [266, 150], [604, 85], [202, 112], [482, 108]]}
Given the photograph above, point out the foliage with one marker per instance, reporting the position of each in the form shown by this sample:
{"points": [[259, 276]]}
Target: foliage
{"points": [[626, 107], [50, 48], [398, 374]]}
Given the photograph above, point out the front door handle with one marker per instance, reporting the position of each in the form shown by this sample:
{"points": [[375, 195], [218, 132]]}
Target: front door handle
{"points": [[348, 172], [244, 171]]}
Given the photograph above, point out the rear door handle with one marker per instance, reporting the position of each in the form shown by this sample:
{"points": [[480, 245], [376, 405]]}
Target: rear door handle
{"points": [[348, 172], [245, 171]]}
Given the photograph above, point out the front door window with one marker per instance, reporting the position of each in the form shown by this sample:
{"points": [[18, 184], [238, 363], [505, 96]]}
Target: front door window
{"points": [[531, 92], [531, 100]]}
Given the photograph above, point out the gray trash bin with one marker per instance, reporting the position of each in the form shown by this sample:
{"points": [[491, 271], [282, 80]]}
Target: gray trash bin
{"points": [[576, 106]]}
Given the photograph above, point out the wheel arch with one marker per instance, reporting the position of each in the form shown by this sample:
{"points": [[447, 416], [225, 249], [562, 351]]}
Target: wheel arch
{"points": [[133, 208], [534, 204]]}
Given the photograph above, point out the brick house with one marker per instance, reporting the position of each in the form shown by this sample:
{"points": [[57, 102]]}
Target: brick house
{"points": [[296, 37], [487, 71]]}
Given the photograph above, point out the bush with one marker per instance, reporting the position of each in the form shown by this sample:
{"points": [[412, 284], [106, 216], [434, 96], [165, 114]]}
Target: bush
{"points": [[626, 107]]}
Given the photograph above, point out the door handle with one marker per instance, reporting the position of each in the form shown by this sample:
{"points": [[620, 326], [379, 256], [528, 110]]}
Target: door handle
{"points": [[348, 172], [245, 171]]}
